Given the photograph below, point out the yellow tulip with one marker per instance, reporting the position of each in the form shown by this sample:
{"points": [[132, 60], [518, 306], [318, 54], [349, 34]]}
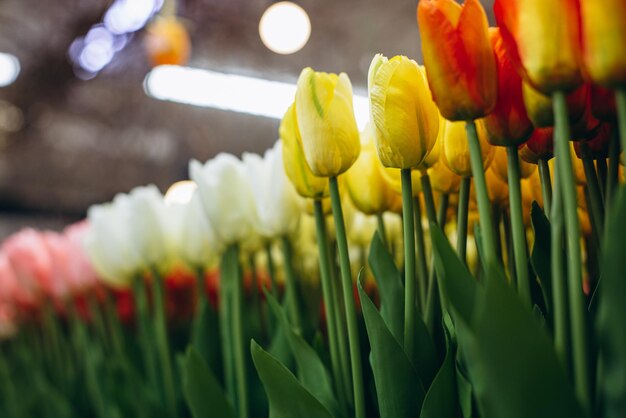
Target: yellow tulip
{"points": [[443, 179], [330, 137], [603, 34], [402, 109], [368, 189], [499, 165], [392, 177], [539, 106], [296, 167], [455, 148], [497, 188]]}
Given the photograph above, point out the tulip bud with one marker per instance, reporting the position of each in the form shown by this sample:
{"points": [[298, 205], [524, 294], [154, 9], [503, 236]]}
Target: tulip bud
{"points": [[393, 178], [459, 61], [443, 179], [367, 187], [497, 188], [603, 103], [546, 53], [539, 146], [455, 147], [598, 146], [539, 106], [330, 137], [167, 42], [297, 169], [586, 126], [603, 33], [508, 123], [405, 117]]}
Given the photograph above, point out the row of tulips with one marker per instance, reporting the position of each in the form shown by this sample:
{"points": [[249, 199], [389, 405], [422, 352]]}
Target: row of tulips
{"points": [[459, 257]]}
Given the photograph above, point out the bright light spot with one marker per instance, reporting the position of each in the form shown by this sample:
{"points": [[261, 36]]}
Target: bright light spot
{"points": [[95, 55], [238, 93], [130, 15], [285, 27], [180, 192], [9, 69]]}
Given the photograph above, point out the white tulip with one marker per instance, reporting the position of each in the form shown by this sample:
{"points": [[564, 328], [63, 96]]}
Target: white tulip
{"points": [[275, 198], [226, 197]]}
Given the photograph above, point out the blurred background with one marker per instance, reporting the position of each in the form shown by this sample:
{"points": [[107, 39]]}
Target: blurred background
{"points": [[85, 114]]}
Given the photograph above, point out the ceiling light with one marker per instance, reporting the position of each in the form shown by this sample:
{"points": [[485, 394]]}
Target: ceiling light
{"points": [[9, 69], [238, 93], [284, 27]]}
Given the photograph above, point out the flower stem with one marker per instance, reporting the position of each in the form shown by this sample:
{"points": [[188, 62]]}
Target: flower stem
{"points": [[596, 208], [163, 350], [434, 300], [329, 300], [484, 208], [546, 185], [620, 105], [422, 267], [410, 289], [348, 296], [602, 175], [271, 270], [559, 285], [145, 329], [612, 175], [226, 336], [461, 218], [567, 187], [291, 291], [239, 346], [431, 214], [518, 231]]}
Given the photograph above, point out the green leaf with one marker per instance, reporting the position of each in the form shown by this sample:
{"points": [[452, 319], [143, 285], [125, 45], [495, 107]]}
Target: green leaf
{"points": [[612, 311], [399, 389], [464, 388], [390, 286], [441, 400], [287, 397], [311, 371], [541, 252], [511, 359], [205, 397]]}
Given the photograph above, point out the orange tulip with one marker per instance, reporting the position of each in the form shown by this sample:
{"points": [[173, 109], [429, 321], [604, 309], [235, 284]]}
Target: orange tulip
{"points": [[167, 42], [542, 38], [508, 123], [603, 34], [460, 64]]}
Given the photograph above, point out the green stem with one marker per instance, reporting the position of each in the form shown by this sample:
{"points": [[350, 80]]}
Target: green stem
{"points": [[484, 208], [162, 345], [461, 218], [256, 288], [559, 285], [612, 179], [431, 214], [422, 266], [226, 337], [271, 270], [348, 296], [508, 240], [145, 330], [497, 221], [576, 300], [434, 301], [546, 185], [292, 290], [381, 230], [620, 105], [518, 231], [329, 300], [408, 223]]}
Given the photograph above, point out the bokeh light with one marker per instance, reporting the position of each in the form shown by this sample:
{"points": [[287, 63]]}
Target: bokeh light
{"points": [[285, 27], [9, 69]]}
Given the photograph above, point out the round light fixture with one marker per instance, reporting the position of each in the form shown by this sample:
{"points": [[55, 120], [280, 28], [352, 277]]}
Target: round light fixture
{"points": [[180, 192], [9, 69], [284, 27]]}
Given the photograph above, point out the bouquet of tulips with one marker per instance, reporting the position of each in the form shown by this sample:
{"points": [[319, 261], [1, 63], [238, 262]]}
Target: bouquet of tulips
{"points": [[460, 257]]}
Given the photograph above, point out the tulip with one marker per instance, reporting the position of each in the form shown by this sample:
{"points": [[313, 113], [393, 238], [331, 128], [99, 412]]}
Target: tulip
{"points": [[15, 291], [226, 196], [459, 61], [83, 273], [297, 169], [109, 242], [545, 50], [455, 148], [603, 103], [443, 179], [366, 185], [499, 165], [274, 196], [393, 180], [498, 188], [586, 126], [603, 33], [539, 106], [539, 146], [508, 123], [330, 137], [167, 42], [406, 119], [597, 147]]}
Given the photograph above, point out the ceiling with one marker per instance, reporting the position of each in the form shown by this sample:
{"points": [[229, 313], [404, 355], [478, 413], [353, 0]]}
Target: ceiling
{"points": [[82, 141]]}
